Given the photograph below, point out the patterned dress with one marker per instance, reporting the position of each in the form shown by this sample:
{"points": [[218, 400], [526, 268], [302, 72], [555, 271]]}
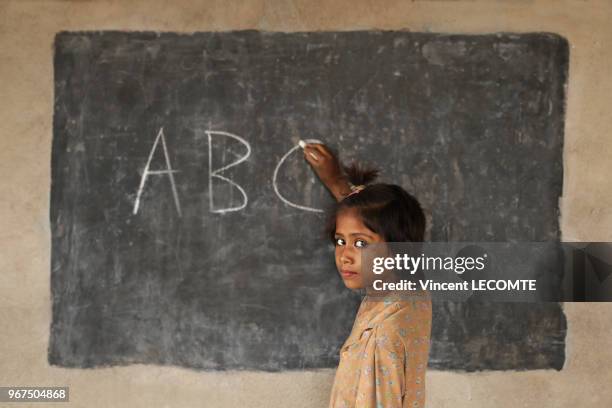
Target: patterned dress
{"points": [[384, 359]]}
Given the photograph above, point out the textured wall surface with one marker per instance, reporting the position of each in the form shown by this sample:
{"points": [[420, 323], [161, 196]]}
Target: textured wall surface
{"points": [[27, 30]]}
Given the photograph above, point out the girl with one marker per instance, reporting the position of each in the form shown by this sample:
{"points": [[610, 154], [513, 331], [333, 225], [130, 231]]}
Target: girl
{"points": [[384, 359]]}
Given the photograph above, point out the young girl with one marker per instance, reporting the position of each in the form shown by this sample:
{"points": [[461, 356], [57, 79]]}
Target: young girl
{"points": [[384, 360]]}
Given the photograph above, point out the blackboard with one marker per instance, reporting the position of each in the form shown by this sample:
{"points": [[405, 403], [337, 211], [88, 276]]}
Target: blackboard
{"points": [[187, 227]]}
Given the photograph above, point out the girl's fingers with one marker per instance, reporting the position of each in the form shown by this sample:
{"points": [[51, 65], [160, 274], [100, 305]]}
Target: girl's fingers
{"points": [[310, 154], [322, 149]]}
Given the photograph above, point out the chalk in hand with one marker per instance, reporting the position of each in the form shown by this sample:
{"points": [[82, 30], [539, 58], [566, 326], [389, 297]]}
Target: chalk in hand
{"points": [[303, 145]]}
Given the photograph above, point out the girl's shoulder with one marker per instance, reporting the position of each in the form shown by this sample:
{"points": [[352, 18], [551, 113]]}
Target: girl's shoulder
{"points": [[407, 317]]}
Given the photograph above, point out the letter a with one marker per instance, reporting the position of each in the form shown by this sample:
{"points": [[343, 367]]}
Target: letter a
{"points": [[168, 171]]}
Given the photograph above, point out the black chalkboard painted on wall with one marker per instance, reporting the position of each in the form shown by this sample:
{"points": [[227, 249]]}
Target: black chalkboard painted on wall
{"points": [[186, 225]]}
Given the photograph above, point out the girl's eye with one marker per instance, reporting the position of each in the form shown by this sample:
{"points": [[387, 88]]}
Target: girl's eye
{"points": [[339, 241], [360, 243]]}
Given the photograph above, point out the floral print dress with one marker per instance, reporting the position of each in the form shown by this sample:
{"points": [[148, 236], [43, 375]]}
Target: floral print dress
{"points": [[384, 360]]}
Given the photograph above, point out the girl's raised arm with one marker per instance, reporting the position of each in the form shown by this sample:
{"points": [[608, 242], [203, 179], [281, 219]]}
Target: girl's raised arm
{"points": [[328, 168]]}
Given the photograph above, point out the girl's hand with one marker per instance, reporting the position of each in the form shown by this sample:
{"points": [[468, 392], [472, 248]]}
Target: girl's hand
{"points": [[328, 168], [323, 162]]}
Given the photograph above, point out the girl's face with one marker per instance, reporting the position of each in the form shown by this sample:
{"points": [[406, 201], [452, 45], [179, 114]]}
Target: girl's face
{"points": [[351, 237]]}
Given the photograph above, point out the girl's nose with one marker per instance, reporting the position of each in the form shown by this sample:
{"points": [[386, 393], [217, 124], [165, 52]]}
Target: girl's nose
{"points": [[346, 256]]}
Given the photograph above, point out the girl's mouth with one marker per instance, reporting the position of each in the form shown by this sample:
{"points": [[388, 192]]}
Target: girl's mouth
{"points": [[348, 274]]}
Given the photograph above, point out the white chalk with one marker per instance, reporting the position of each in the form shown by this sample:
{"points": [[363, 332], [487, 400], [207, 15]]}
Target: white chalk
{"points": [[302, 143]]}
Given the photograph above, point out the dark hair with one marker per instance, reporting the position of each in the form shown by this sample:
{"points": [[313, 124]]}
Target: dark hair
{"points": [[386, 209]]}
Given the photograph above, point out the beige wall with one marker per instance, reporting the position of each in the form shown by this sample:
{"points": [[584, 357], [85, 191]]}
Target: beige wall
{"points": [[27, 30]]}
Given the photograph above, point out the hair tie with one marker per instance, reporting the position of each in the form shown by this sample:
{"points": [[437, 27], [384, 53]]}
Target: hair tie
{"points": [[355, 189]]}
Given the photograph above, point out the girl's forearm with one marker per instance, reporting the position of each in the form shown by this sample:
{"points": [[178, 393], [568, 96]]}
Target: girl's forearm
{"points": [[339, 187]]}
